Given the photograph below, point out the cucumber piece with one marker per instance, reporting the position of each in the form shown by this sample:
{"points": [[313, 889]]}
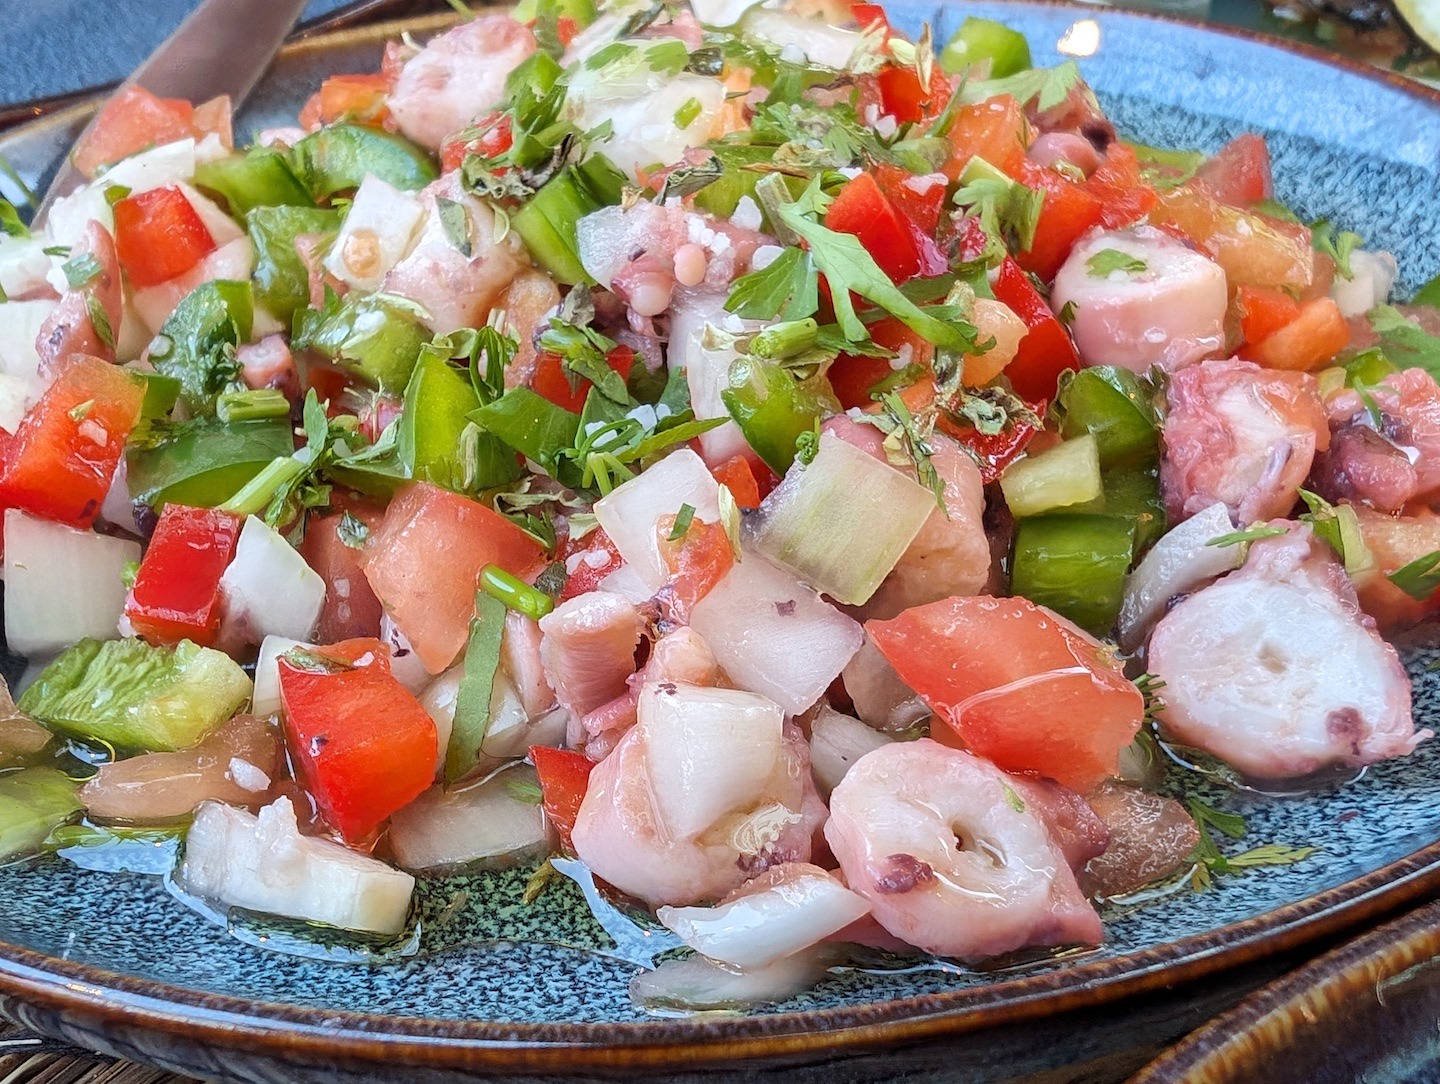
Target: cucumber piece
{"points": [[135, 697], [1075, 564], [33, 803], [984, 39], [1067, 474]]}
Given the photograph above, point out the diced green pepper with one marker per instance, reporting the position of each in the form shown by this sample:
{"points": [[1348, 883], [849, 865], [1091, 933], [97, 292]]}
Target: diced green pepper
{"points": [[1133, 494], [984, 39], [281, 279], [772, 408], [1429, 294], [338, 157], [368, 334], [1368, 367], [262, 177], [205, 462], [135, 697], [432, 437], [196, 345], [1074, 564], [33, 803], [547, 223], [161, 395], [1115, 406]]}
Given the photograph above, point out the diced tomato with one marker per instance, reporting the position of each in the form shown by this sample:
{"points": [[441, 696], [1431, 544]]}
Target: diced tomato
{"points": [[135, 119], [1016, 683], [564, 778], [424, 561], [67, 446], [565, 30], [549, 379], [861, 209], [215, 117], [177, 589], [867, 15], [994, 452], [853, 377], [593, 558], [903, 97], [1264, 311], [359, 99], [1069, 211], [330, 384], [697, 562], [1239, 173], [1124, 197], [1254, 249], [494, 141], [357, 651], [159, 234], [1046, 351], [737, 474], [363, 744], [351, 608], [1307, 343], [995, 129]]}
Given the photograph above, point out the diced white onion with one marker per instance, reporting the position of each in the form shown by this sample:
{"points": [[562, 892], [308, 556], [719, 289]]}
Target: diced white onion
{"points": [[264, 864], [268, 588], [773, 635], [265, 700], [1181, 561], [820, 43], [61, 585], [697, 984], [23, 265], [707, 371], [1373, 275], [493, 824], [632, 511], [222, 227], [837, 741], [169, 163]]}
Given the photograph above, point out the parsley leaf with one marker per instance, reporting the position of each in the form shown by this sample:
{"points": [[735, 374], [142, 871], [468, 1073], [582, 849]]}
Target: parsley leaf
{"points": [[788, 289], [1210, 860], [455, 221], [1047, 87], [1109, 260], [1338, 246], [687, 180], [583, 353], [1005, 208], [81, 270], [1404, 342], [1419, 578]]}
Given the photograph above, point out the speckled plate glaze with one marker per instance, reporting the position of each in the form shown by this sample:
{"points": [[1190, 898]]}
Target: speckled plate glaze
{"points": [[115, 963], [1365, 1011]]}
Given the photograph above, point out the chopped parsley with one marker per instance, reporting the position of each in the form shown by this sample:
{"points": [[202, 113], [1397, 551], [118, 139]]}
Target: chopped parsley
{"points": [[455, 221], [1420, 578], [1249, 534], [1404, 342], [1210, 861], [81, 270], [1109, 260], [1337, 245], [1046, 87], [683, 519]]}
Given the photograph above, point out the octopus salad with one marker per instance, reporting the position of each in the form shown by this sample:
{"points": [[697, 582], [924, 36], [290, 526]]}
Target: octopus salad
{"points": [[804, 473]]}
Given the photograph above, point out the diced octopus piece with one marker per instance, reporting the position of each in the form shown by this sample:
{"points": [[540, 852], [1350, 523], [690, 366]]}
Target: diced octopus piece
{"points": [[681, 657], [949, 862], [1167, 308], [588, 649], [1069, 147], [1275, 669], [709, 788], [1151, 837], [1388, 456], [269, 364], [457, 290], [1241, 435], [528, 300], [457, 77], [1074, 827], [70, 328]]}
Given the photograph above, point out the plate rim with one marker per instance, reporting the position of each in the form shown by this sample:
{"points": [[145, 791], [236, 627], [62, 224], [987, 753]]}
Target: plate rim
{"points": [[314, 1035]]}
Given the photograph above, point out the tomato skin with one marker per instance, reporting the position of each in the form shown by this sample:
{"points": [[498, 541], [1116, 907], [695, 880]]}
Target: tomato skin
{"points": [[1307, 343], [1017, 684], [862, 210], [1124, 197], [737, 474], [159, 235], [564, 778], [601, 558], [697, 562], [497, 138], [177, 589], [1264, 311], [549, 379], [424, 561], [351, 608], [1069, 211], [995, 129], [903, 97], [1047, 350], [356, 98], [63, 457], [363, 745], [1239, 173]]}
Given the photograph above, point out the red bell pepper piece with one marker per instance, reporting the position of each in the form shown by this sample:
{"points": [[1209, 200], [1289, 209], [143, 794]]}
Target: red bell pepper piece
{"points": [[867, 15], [1047, 350], [549, 379], [1069, 211], [159, 234], [564, 777], [598, 557], [697, 562], [424, 562], [1264, 311], [861, 209], [363, 745], [994, 452], [1239, 173], [66, 448], [854, 377], [177, 589], [995, 129], [903, 97]]}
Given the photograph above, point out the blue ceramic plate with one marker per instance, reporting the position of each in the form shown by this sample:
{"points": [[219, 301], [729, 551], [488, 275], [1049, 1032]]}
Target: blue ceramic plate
{"points": [[503, 987]]}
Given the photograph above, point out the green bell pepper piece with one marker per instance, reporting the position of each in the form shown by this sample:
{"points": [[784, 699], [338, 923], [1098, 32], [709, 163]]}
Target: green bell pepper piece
{"points": [[547, 223], [33, 803], [1132, 493], [984, 39], [1368, 367], [282, 282], [161, 395], [371, 335], [261, 177], [204, 462], [432, 437], [338, 157], [196, 345], [772, 408], [1115, 406], [1074, 564]]}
